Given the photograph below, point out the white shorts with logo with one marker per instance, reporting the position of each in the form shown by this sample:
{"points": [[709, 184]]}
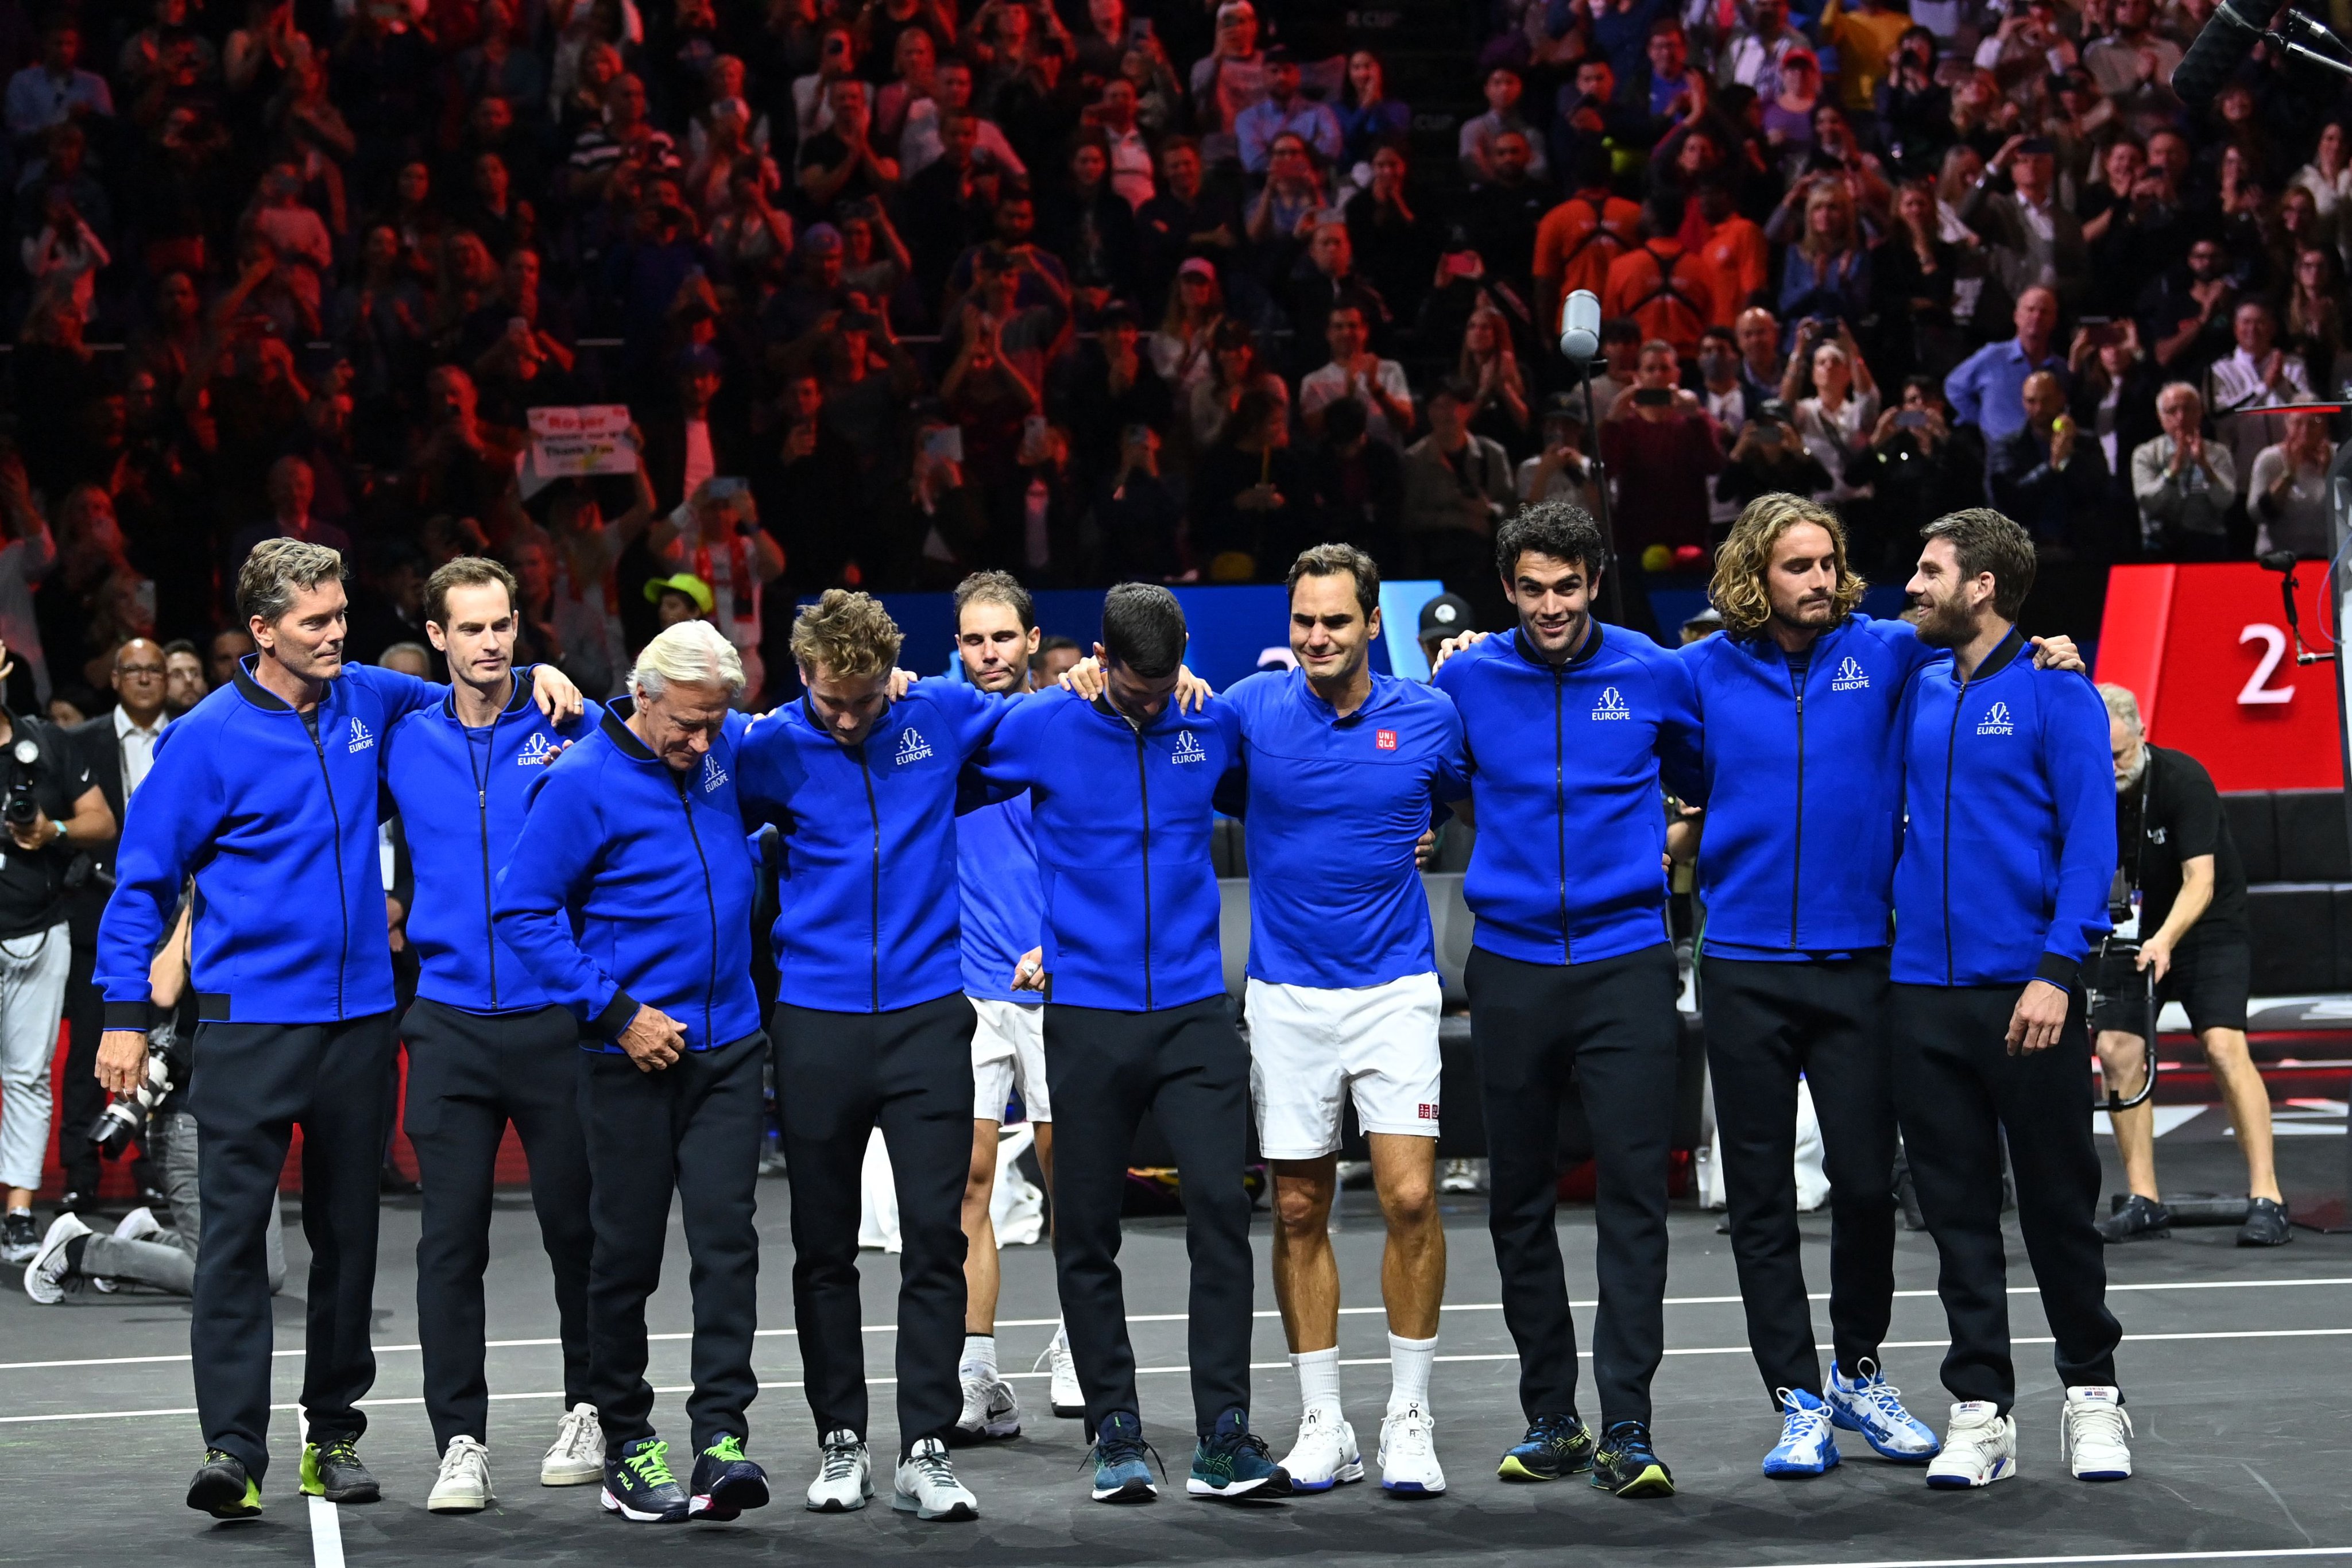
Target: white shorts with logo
{"points": [[1310, 1045], [1008, 1052]]}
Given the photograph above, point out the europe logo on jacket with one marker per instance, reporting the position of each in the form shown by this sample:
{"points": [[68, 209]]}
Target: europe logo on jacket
{"points": [[538, 751]]}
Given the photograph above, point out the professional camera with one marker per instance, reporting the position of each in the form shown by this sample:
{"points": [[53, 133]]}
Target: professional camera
{"points": [[125, 1117], [21, 807]]}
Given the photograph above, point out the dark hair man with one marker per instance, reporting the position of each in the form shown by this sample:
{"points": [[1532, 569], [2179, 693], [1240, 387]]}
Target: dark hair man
{"points": [[2188, 887], [487, 1045], [1003, 922], [1337, 755], [872, 1027], [266, 795], [628, 895], [1571, 725], [2000, 894], [183, 677], [1121, 791]]}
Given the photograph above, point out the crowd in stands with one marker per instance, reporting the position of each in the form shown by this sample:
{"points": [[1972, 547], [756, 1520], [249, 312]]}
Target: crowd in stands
{"points": [[1093, 289]]}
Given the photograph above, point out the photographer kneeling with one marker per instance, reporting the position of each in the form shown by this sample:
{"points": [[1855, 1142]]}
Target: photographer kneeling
{"points": [[2178, 857], [50, 809]]}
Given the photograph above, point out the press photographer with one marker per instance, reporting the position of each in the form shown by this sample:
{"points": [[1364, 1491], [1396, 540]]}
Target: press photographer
{"points": [[2186, 887], [49, 809]]}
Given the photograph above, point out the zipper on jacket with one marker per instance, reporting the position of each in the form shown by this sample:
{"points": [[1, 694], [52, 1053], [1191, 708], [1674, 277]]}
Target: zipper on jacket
{"points": [[876, 812], [482, 805], [319, 745], [1952, 753], [1560, 799], [1797, 865], [711, 899], [1143, 784]]}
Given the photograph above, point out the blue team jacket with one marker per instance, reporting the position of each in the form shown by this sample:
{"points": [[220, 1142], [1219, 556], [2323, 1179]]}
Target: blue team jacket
{"points": [[1003, 907], [1566, 763], [2010, 844], [866, 921], [279, 830], [632, 884], [461, 805], [1804, 787], [1121, 818], [1333, 808]]}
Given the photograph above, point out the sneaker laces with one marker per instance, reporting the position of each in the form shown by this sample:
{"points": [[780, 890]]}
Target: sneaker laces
{"points": [[930, 1464], [1870, 1388], [1122, 1449], [1801, 1424], [1627, 1437], [841, 1460], [2097, 1422], [1548, 1430], [455, 1457], [650, 1464], [1409, 1424], [726, 1450], [572, 1435], [340, 1451]]}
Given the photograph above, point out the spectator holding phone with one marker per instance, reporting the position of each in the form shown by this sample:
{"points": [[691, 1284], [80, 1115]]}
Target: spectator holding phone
{"points": [[1659, 447], [1770, 458]]}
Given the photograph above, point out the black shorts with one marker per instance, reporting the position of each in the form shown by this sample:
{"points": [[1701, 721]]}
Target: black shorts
{"points": [[2210, 980]]}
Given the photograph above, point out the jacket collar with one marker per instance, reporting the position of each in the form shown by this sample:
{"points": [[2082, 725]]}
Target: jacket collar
{"points": [[518, 698], [2003, 654], [1382, 694], [261, 697], [616, 731], [1583, 653], [1158, 721]]}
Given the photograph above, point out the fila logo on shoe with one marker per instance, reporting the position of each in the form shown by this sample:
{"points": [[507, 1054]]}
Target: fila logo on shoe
{"points": [[1850, 676], [538, 751], [1996, 721], [713, 776], [361, 739], [1612, 706], [1188, 749], [912, 748]]}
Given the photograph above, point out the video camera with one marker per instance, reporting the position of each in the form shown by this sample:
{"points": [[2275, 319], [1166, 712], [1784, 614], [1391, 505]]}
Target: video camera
{"points": [[125, 1116], [20, 807]]}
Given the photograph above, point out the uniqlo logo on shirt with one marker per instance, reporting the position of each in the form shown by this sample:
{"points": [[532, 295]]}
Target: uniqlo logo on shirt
{"points": [[1385, 741], [1429, 1113]]}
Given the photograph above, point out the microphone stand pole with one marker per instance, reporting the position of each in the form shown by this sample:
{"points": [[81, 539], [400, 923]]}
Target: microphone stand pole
{"points": [[1613, 570]]}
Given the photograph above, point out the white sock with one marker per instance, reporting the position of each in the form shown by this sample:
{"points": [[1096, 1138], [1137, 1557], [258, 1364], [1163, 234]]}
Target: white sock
{"points": [[1409, 1364], [1318, 1380], [979, 1357]]}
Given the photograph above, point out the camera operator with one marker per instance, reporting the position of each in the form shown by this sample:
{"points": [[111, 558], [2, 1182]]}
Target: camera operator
{"points": [[2182, 868], [118, 749], [48, 807], [158, 1253]]}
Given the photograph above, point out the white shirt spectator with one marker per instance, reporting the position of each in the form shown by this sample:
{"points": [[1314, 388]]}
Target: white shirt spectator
{"points": [[2298, 519], [1322, 388], [138, 749]]}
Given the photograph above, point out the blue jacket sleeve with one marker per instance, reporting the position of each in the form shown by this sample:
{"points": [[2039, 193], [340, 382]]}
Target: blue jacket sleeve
{"points": [[1680, 759], [1449, 781], [2076, 761], [999, 769], [179, 811], [401, 694], [563, 837]]}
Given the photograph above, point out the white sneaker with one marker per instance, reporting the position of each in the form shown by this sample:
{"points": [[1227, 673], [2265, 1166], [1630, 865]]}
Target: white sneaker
{"points": [[992, 1412], [847, 1477], [2093, 1432], [576, 1458], [1353, 1174], [1408, 1453], [1324, 1455], [44, 1275], [1979, 1447], [138, 1225], [464, 1484], [926, 1485], [1068, 1400], [1460, 1175]]}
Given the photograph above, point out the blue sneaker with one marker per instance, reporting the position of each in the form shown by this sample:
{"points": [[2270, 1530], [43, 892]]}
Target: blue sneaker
{"points": [[725, 1482], [1806, 1446], [1554, 1445], [1122, 1461], [638, 1484], [1231, 1462], [1624, 1465], [1871, 1405]]}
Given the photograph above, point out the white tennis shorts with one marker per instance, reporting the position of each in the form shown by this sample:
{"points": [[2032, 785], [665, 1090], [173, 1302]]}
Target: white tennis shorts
{"points": [[1309, 1046], [1008, 1050]]}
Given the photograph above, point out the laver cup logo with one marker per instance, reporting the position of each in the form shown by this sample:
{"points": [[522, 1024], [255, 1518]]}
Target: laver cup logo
{"points": [[361, 739], [1850, 676], [912, 748], [538, 752], [1188, 748], [1996, 721], [713, 776], [1612, 706]]}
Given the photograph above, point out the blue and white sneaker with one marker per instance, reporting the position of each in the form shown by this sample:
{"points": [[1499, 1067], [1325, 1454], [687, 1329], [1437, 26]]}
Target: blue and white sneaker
{"points": [[1234, 1462], [1806, 1446], [640, 1485], [1873, 1406], [1122, 1461], [725, 1482]]}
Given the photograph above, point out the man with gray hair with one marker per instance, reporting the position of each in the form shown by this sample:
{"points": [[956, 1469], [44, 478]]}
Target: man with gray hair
{"points": [[2184, 485], [629, 897], [266, 795], [2186, 891]]}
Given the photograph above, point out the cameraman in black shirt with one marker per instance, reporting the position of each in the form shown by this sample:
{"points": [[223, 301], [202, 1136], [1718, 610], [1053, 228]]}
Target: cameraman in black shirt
{"points": [[2181, 866], [49, 809]]}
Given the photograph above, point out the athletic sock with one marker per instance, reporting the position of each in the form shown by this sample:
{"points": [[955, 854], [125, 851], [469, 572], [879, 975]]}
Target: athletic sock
{"points": [[979, 1357], [73, 1251], [1318, 1380], [1409, 1364]]}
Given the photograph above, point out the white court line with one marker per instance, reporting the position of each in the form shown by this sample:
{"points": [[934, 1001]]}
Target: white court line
{"points": [[2251, 1554], [1180, 1317], [326, 1534], [374, 1404]]}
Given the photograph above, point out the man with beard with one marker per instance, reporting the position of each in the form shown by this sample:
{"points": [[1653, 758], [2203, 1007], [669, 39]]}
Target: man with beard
{"points": [[2000, 894], [1796, 879]]}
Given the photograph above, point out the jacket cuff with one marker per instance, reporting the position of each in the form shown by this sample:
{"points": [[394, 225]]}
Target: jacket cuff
{"points": [[140, 1016], [608, 1024], [2064, 973]]}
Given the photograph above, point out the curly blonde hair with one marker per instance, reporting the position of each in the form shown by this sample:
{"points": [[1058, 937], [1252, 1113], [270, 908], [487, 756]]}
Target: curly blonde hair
{"points": [[848, 635], [1739, 589]]}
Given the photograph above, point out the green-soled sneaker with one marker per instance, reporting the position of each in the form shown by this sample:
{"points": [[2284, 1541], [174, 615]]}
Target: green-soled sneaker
{"points": [[332, 1471], [223, 1489], [1625, 1466], [1554, 1445]]}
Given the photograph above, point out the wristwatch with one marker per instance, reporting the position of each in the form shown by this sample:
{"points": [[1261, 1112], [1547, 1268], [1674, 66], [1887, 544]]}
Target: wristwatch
{"points": [[60, 827]]}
